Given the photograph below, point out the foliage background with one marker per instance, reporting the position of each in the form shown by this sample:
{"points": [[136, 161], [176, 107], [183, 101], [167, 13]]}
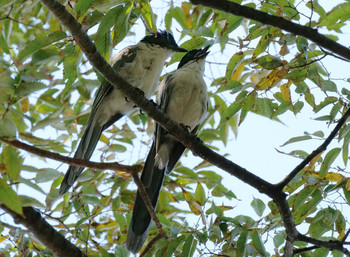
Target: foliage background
{"points": [[46, 90]]}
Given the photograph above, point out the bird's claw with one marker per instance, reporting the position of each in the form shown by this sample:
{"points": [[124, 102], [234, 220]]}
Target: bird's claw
{"points": [[140, 92], [185, 127]]}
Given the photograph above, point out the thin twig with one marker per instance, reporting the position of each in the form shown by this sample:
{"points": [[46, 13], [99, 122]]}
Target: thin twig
{"points": [[72, 161], [150, 244]]}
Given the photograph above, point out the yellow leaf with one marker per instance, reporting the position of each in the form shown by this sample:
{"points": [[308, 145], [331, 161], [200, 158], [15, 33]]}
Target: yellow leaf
{"points": [[313, 161], [254, 78], [237, 72], [187, 195], [347, 185], [2, 238], [315, 174], [186, 9], [195, 207], [334, 177], [24, 105], [285, 93], [104, 139], [284, 50], [107, 225], [274, 77]]}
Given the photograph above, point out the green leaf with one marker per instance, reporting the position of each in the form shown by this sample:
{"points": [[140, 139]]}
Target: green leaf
{"points": [[45, 175], [194, 43], [269, 62], [328, 85], [147, 14], [189, 246], [328, 160], [12, 161], [7, 128], [278, 240], [325, 102], [242, 243], [82, 6], [309, 207], [232, 85], [41, 42], [258, 206], [233, 63], [109, 20], [257, 242], [262, 45], [219, 190], [29, 201], [9, 198], [340, 12], [178, 14], [297, 139], [302, 44], [199, 195], [302, 196], [173, 244], [118, 148], [121, 251], [27, 88]]}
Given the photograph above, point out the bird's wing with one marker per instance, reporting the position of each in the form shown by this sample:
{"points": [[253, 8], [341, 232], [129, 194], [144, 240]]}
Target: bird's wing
{"points": [[93, 129]]}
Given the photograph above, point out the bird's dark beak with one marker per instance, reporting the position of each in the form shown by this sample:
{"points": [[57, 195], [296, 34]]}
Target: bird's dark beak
{"points": [[180, 49], [204, 52]]}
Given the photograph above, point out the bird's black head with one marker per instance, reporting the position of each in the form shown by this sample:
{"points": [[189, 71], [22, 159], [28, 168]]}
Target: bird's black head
{"points": [[194, 55], [163, 39]]}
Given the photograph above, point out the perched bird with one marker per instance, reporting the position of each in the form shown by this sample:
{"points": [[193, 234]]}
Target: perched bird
{"points": [[183, 96], [140, 65]]}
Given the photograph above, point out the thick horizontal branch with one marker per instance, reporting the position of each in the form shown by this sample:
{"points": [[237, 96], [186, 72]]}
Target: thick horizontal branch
{"points": [[72, 161], [331, 245], [278, 22], [44, 232]]}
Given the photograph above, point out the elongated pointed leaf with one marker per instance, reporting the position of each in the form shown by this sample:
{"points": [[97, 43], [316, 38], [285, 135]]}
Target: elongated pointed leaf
{"points": [[9, 197], [41, 42]]}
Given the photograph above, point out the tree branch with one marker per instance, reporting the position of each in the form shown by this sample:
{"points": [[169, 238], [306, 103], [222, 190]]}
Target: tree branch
{"points": [[189, 140], [319, 150], [44, 232], [279, 22], [331, 244], [72, 161]]}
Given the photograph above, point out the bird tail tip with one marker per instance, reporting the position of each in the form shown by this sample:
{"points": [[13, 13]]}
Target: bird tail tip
{"points": [[134, 242]]}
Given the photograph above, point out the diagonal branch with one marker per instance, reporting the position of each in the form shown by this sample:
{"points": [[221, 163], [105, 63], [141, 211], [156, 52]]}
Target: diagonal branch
{"points": [[71, 161], [44, 232], [320, 149], [187, 139], [279, 22]]}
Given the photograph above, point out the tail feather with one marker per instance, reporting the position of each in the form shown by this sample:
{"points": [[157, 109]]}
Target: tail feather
{"points": [[84, 151], [140, 224]]}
